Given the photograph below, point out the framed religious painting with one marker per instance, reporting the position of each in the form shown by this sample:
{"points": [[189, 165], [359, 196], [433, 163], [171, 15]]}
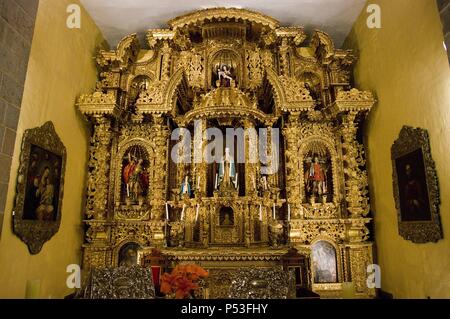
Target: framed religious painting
{"points": [[40, 186], [416, 189]]}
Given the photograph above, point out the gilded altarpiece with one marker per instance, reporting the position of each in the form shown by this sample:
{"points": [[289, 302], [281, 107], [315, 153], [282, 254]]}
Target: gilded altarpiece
{"points": [[230, 68]]}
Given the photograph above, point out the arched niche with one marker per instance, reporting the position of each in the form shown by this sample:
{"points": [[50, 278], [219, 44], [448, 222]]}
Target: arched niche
{"points": [[226, 216], [272, 83], [227, 230], [313, 83], [138, 84], [318, 171], [267, 100], [324, 262], [177, 93], [133, 174], [127, 254], [228, 61]]}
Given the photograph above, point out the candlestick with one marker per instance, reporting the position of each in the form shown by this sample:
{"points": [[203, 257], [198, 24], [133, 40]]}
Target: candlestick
{"points": [[289, 212], [198, 183], [273, 211], [196, 213], [215, 185], [260, 212], [182, 211], [167, 211]]}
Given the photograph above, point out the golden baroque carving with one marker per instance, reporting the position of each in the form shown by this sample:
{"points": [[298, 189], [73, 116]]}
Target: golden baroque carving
{"points": [[274, 79], [294, 89], [356, 181], [305, 231], [98, 173], [98, 103]]}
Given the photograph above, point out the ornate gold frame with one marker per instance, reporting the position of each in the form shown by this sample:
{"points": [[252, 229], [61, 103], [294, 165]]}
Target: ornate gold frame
{"points": [[409, 140], [35, 233]]}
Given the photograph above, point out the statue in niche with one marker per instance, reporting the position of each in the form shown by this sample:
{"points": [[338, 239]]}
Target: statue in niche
{"points": [[185, 189], [135, 177], [140, 84], [224, 74], [227, 175], [263, 185], [227, 220], [226, 216], [316, 178]]}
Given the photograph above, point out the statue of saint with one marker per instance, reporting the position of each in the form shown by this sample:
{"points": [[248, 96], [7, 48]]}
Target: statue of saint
{"points": [[227, 170], [263, 184], [185, 187], [315, 178], [224, 74], [227, 220], [135, 177]]}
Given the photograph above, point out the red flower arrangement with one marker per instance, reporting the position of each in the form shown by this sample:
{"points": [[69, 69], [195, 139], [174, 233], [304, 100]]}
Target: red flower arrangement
{"points": [[182, 281]]}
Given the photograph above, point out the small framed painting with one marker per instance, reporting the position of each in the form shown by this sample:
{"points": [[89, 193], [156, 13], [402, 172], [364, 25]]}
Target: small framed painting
{"points": [[40, 181]]}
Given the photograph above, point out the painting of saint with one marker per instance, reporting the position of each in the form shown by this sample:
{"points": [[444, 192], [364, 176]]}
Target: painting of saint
{"points": [[414, 201], [324, 262], [42, 185], [128, 255]]}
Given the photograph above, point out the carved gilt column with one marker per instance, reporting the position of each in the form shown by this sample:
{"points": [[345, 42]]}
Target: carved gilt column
{"points": [[165, 63], [284, 57], [292, 136], [160, 133], [200, 142], [98, 173], [355, 177], [251, 157]]}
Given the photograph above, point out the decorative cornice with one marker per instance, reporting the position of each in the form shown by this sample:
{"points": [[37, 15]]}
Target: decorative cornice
{"points": [[98, 103], [198, 17], [354, 100]]}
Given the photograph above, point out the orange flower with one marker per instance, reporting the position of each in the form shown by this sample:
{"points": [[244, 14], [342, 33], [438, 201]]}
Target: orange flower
{"points": [[166, 283], [182, 280], [184, 287]]}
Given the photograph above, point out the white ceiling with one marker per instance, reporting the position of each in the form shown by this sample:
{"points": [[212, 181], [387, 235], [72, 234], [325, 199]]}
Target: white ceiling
{"points": [[118, 18]]}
